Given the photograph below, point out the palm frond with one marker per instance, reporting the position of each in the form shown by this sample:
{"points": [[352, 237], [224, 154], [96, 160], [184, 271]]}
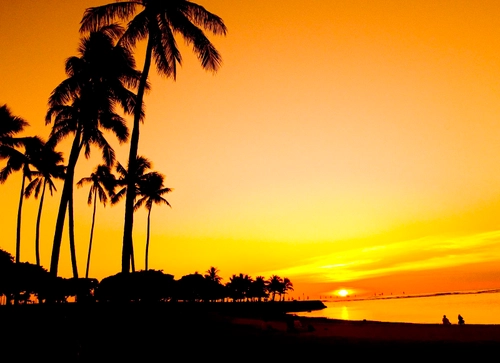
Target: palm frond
{"points": [[137, 30], [96, 17], [201, 17], [207, 54]]}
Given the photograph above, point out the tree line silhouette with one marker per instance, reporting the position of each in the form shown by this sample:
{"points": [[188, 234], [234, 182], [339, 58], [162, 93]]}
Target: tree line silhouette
{"points": [[102, 87], [29, 283]]}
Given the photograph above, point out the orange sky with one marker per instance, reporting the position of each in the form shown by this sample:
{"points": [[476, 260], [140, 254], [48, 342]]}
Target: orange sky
{"points": [[348, 144]]}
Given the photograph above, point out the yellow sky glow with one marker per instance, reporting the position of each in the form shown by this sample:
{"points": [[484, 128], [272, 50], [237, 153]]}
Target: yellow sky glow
{"points": [[341, 141]]}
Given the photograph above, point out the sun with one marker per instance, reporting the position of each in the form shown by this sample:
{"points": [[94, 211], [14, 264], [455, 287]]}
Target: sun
{"points": [[343, 292]]}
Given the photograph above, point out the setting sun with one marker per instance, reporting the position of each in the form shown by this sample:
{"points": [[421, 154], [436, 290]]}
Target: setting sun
{"points": [[343, 293]]}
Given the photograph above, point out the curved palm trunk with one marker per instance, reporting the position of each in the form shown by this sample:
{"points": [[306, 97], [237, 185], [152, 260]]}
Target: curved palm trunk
{"points": [[127, 250], [91, 235], [65, 197], [18, 231], [38, 219], [147, 237], [132, 260], [18, 234], [72, 234]]}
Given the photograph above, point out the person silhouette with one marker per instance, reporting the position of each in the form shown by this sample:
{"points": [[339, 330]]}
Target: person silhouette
{"points": [[446, 321], [461, 320]]}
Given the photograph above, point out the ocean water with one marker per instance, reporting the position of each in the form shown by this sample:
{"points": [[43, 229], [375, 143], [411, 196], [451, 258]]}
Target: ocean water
{"points": [[475, 308]]}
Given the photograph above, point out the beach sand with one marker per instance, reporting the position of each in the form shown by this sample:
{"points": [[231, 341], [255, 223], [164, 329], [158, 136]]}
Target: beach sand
{"points": [[146, 334], [380, 331]]}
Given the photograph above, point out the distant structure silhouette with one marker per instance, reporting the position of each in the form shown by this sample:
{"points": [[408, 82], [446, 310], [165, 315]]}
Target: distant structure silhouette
{"points": [[446, 321]]}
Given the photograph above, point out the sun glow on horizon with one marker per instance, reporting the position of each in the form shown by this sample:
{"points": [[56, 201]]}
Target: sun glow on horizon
{"points": [[342, 293]]}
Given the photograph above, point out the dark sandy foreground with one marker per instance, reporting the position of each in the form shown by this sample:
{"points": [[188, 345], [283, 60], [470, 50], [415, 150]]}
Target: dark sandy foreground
{"points": [[145, 333]]}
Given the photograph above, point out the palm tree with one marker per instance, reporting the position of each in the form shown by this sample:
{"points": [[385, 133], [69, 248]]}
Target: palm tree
{"points": [[143, 164], [102, 182], [151, 191], [259, 288], [10, 125], [286, 285], [215, 289], [239, 286], [275, 285], [212, 274], [158, 21], [48, 165], [18, 160], [84, 104]]}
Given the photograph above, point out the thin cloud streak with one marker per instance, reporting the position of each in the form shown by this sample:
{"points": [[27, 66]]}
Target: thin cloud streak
{"points": [[418, 254]]}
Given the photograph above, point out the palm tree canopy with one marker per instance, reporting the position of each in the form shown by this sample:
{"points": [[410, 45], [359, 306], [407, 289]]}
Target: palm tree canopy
{"points": [[151, 190], [48, 163], [212, 274], [98, 80], [161, 20], [9, 125], [102, 72], [101, 181], [18, 160], [142, 165]]}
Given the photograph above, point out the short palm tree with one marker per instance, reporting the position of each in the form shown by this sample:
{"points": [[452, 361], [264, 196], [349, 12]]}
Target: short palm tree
{"points": [[49, 166], [212, 274], [102, 182], [151, 191], [124, 180], [10, 125], [18, 160], [239, 286], [259, 288], [286, 285], [275, 285], [84, 105], [158, 21]]}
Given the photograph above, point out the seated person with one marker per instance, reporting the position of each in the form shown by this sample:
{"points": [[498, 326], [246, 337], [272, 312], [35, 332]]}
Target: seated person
{"points": [[461, 320], [445, 320]]}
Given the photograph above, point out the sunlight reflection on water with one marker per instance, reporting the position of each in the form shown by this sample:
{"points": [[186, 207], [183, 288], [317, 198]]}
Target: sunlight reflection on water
{"points": [[481, 308]]}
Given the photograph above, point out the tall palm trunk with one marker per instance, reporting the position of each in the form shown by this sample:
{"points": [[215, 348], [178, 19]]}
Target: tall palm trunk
{"points": [[147, 237], [65, 197], [91, 235], [38, 219], [127, 250], [71, 223], [18, 232]]}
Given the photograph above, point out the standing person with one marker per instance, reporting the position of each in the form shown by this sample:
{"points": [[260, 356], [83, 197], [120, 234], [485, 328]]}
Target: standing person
{"points": [[461, 320]]}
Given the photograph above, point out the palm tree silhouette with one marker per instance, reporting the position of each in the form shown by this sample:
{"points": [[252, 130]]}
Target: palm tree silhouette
{"points": [[84, 104], [48, 165], [275, 285], [286, 285], [18, 160], [143, 164], [102, 182], [259, 288], [157, 21], [215, 289], [239, 286], [10, 125], [212, 274], [151, 191]]}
